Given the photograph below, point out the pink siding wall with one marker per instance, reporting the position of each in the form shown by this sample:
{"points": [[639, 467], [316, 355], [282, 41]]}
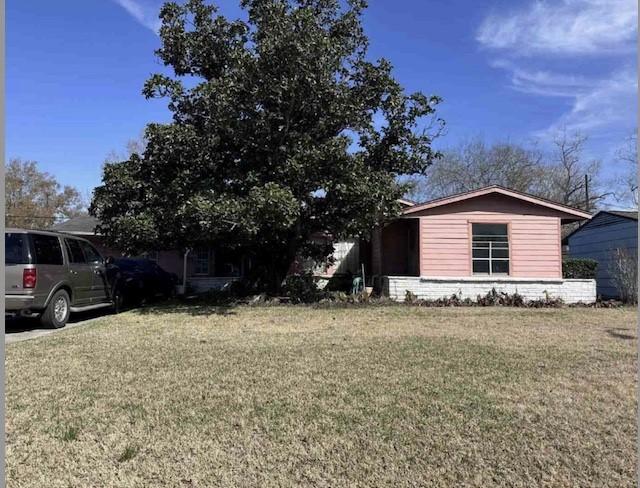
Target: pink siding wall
{"points": [[534, 237]]}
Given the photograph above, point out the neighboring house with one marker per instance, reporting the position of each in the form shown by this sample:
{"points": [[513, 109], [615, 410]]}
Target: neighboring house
{"points": [[465, 244], [598, 239]]}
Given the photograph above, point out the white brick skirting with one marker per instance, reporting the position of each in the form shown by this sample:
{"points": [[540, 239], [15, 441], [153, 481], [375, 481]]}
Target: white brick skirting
{"points": [[571, 291]]}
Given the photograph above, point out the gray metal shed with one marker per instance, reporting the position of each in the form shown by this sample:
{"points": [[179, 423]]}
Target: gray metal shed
{"points": [[607, 231]]}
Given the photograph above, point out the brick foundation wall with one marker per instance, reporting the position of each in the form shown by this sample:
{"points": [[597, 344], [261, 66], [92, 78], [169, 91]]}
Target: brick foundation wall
{"points": [[571, 291]]}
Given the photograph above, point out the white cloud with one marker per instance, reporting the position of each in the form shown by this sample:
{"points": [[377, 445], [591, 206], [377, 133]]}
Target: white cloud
{"points": [[563, 27], [610, 102], [144, 11], [542, 82], [531, 42]]}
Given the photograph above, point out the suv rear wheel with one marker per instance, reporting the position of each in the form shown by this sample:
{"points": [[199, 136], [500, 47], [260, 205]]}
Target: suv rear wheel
{"points": [[57, 312]]}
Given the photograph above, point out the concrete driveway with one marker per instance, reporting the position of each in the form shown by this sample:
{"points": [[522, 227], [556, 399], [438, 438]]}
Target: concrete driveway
{"points": [[21, 329]]}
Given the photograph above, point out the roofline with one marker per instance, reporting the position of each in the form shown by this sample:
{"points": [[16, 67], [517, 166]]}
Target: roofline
{"points": [[612, 212], [19, 230], [408, 203], [594, 216], [503, 191]]}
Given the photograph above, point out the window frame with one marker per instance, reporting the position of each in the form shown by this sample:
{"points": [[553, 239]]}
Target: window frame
{"points": [[67, 247], [36, 258], [490, 258], [27, 247], [93, 248], [197, 258]]}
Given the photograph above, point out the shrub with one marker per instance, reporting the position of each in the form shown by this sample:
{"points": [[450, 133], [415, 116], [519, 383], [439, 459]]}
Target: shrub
{"points": [[624, 271], [492, 298], [410, 297], [301, 288], [575, 268]]}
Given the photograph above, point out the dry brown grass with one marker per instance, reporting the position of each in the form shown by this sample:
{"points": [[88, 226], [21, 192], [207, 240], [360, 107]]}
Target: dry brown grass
{"points": [[295, 396]]}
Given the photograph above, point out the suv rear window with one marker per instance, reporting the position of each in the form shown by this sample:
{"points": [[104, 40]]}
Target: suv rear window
{"points": [[16, 248], [47, 249]]}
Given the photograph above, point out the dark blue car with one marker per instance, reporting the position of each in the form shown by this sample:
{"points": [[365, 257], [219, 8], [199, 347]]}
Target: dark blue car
{"points": [[142, 280]]}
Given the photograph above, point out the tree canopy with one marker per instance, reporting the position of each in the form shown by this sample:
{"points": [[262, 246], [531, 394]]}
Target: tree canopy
{"points": [[628, 156], [34, 199], [558, 174], [282, 128]]}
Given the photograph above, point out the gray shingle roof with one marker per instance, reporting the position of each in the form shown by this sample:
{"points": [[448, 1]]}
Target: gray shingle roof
{"points": [[630, 214], [82, 224]]}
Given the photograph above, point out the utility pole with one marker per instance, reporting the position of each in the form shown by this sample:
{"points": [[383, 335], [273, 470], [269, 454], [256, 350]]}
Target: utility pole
{"points": [[586, 192]]}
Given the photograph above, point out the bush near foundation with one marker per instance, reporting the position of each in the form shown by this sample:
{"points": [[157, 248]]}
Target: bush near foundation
{"points": [[575, 268], [301, 288], [493, 298]]}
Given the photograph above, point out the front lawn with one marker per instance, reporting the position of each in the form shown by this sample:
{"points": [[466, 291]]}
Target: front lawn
{"points": [[296, 396]]}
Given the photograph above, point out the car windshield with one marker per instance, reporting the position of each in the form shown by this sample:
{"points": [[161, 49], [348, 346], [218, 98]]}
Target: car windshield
{"points": [[16, 248]]}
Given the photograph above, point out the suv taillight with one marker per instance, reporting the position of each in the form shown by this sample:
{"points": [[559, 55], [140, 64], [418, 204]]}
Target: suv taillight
{"points": [[29, 278]]}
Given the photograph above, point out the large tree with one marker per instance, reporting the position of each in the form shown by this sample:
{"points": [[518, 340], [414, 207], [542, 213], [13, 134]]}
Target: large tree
{"points": [[282, 127], [34, 199]]}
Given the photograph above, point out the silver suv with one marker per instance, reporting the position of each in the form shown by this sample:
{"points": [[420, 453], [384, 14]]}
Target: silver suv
{"points": [[50, 275]]}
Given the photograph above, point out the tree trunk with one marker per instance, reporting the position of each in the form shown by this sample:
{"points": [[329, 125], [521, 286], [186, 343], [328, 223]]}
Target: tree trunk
{"points": [[269, 269], [271, 266]]}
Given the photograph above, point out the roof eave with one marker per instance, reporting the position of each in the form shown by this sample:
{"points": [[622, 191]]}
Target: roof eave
{"points": [[572, 213]]}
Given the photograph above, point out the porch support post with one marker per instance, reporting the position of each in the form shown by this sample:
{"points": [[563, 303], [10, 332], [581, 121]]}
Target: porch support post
{"points": [[184, 272]]}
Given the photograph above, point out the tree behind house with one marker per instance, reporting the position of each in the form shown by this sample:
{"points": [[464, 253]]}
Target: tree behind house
{"points": [[35, 199], [628, 182], [557, 175], [275, 137]]}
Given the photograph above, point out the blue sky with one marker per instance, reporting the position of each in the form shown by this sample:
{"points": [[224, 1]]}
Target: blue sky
{"points": [[515, 70]]}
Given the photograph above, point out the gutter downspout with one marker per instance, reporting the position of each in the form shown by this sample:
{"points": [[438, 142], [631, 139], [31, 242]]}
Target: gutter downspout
{"points": [[183, 290]]}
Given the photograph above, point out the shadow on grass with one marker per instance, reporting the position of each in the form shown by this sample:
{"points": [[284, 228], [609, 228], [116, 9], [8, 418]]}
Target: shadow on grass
{"points": [[194, 308], [16, 325], [618, 334]]}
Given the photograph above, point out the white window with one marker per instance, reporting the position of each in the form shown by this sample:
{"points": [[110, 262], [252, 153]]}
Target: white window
{"points": [[201, 261], [490, 248]]}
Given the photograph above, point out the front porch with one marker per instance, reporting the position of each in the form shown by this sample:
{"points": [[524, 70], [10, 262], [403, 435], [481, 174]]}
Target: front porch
{"points": [[394, 250]]}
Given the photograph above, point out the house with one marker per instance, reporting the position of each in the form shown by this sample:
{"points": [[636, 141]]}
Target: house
{"points": [[214, 268], [465, 244], [470, 243], [599, 239]]}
